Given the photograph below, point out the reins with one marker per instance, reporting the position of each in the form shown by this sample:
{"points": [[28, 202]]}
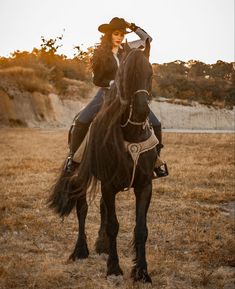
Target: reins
{"points": [[136, 149]]}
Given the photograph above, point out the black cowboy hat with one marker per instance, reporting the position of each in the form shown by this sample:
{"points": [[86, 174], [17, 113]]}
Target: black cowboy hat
{"points": [[115, 24]]}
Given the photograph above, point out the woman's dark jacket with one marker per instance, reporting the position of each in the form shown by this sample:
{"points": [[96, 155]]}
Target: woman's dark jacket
{"points": [[104, 70]]}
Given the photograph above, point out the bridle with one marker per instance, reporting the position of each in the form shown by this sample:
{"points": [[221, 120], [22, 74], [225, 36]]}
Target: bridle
{"points": [[132, 101], [143, 123]]}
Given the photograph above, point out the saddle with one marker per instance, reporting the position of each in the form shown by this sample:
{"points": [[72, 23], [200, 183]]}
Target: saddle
{"points": [[77, 157]]}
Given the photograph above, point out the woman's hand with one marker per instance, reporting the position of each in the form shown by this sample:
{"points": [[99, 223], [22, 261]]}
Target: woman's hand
{"points": [[128, 25], [131, 26]]}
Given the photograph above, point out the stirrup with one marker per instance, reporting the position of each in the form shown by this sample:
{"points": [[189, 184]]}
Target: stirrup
{"points": [[70, 165], [161, 171]]}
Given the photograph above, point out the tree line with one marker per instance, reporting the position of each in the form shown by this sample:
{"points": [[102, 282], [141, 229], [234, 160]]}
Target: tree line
{"points": [[211, 84]]}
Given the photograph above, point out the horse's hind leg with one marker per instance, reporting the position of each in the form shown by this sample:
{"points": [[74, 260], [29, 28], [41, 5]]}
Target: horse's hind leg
{"points": [[102, 243], [112, 227], [81, 250], [139, 271]]}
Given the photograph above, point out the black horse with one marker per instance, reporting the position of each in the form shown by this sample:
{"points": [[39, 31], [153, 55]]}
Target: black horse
{"points": [[121, 153]]}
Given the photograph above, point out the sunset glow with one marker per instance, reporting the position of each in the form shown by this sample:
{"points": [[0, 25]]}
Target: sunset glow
{"points": [[181, 29]]}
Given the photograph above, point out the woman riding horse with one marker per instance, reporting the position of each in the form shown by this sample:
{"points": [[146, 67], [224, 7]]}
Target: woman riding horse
{"points": [[120, 155], [105, 63]]}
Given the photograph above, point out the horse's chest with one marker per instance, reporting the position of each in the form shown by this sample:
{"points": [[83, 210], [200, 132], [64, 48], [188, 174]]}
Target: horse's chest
{"points": [[142, 149]]}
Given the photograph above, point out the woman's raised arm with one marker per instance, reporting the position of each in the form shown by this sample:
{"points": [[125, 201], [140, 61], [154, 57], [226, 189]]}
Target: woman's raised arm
{"points": [[143, 35]]}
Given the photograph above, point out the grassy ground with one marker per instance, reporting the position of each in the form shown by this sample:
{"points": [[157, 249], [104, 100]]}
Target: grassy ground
{"points": [[191, 217]]}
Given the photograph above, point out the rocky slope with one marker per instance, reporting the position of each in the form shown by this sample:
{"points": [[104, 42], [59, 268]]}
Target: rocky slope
{"points": [[194, 117], [40, 110]]}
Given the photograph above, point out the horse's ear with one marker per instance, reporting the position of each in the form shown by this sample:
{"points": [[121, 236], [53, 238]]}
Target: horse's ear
{"points": [[147, 48], [126, 47]]}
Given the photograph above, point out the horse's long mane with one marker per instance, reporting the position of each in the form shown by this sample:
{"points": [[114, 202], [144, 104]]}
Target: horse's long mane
{"points": [[105, 157]]}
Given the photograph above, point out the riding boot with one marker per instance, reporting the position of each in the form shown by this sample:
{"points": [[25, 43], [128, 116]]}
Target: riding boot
{"points": [[76, 137], [158, 133]]}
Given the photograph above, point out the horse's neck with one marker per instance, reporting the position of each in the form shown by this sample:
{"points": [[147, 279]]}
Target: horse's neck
{"points": [[136, 134]]}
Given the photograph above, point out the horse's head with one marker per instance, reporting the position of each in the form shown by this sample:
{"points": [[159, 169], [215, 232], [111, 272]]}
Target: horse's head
{"points": [[134, 81]]}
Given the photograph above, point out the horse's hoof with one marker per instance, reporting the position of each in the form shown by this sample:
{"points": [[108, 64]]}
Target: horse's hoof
{"points": [[79, 253], [114, 270], [140, 275]]}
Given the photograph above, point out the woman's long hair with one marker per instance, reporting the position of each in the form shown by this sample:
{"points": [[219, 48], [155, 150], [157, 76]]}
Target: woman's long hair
{"points": [[103, 51]]}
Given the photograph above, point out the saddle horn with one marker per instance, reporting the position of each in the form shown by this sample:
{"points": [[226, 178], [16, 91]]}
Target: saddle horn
{"points": [[126, 47]]}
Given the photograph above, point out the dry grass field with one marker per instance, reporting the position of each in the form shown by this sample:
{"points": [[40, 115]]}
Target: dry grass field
{"points": [[190, 220]]}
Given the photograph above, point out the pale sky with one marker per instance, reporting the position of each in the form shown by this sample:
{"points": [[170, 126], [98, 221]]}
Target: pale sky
{"points": [[181, 29]]}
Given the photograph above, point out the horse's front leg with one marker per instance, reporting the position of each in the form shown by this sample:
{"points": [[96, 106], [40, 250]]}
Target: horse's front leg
{"points": [[102, 244], [81, 250], [112, 228], [143, 197]]}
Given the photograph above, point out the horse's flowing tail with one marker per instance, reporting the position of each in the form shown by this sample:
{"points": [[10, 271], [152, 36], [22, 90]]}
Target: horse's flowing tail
{"points": [[61, 200]]}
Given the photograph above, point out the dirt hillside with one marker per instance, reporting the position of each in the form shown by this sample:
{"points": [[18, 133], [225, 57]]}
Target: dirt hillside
{"points": [[37, 110], [194, 117], [40, 110]]}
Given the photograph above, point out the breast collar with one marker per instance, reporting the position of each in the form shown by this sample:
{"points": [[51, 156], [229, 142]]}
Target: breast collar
{"points": [[135, 149]]}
